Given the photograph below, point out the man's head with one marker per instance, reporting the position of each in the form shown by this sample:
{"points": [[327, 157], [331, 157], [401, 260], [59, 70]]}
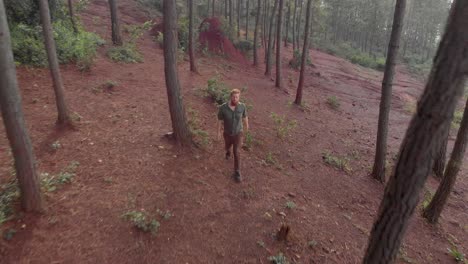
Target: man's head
{"points": [[235, 96]]}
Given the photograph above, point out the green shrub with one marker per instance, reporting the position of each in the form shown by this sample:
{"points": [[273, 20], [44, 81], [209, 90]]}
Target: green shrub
{"points": [[28, 45], [140, 221], [283, 126], [9, 193], [127, 53], [183, 32], [279, 259], [333, 102], [218, 91], [296, 61], [244, 46]]}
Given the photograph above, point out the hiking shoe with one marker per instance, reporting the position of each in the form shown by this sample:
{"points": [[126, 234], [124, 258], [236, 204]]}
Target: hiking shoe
{"points": [[237, 176], [228, 155]]}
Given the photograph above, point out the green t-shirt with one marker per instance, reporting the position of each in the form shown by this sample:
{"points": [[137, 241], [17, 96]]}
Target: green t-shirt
{"points": [[232, 119]]}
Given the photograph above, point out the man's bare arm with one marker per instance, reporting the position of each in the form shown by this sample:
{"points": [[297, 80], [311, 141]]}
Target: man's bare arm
{"points": [[246, 123]]}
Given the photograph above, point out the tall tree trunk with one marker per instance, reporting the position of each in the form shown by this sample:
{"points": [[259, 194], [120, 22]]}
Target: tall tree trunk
{"points": [[279, 79], [213, 9], [257, 21], [72, 16], [440, 157], [226, 8], [63, 117], [180, 128], [294, 25], [230, 16], [193, 66], [266, 7], [287, 25], [116, 37], [378, 171], [298, 100], [434, 114], [13, 119], [298, 26], [432, 212], [239, 10], [247, 22], [270, 40]]}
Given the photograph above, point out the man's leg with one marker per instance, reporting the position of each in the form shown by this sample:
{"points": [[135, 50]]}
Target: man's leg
{"points": [[237, 143], [227, 144]]}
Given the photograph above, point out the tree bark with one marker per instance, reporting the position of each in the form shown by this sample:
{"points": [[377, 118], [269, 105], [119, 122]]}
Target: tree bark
{"points": [[434, 114], [72, 16], [213, 9], [230, 16], [180, 128], [247, 22], [13, 119], [257, 21], [287, 25], [239, 7], [378, 171], [63, 117], [298, 26], [270, 40], [116, 37], [440, 157], [226, 8], [298, 100], [433, 211], [294, 25], [279, 79], [193, 67]]}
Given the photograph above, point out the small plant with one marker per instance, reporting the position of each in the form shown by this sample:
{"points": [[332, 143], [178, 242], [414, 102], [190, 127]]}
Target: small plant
{"points": [[160, 39], [410, 107], [8, 194], [312, 243], [248, 142], [127, 53], [270, 160], [283, 126], [341, 163], [55, 145], [261, 244], [333, 102], [200, 136], [140, 221], [165, 215], [457, 255], [290, 205], [296, 61], [52, 182], [428, 195], [457, 118], [217, 90], [279, 259]]}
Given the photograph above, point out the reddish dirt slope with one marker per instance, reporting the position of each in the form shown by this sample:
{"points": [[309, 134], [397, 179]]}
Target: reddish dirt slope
{"points": [[126, 164]]}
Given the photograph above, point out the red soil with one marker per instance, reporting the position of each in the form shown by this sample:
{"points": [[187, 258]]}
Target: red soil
{"points": [[126, 164]]}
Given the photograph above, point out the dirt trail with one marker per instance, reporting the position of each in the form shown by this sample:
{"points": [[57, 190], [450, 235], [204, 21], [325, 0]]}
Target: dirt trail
{"points": [[126, 164]]}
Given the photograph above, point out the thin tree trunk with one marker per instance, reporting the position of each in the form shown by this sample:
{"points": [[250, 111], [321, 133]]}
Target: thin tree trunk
{"points": [[213, 9], [180, 128], [230, 16], [434, 114], [279, 79], [298, 28], [116, 37], [440, 157], [294, 25], [193, 67], [17, 133], [298, 100], [247, 22], [378, 171], [63, 117], [72, 16], [433, 211], [287, 25], [265, 26], [270, 40], [239, 7], [257, 21]]}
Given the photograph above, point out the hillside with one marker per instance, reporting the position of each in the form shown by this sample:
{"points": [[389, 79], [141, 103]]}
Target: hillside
{"points": [[126, 164]]}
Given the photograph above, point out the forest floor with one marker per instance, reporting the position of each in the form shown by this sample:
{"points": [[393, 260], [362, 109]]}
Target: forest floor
{"points": [[126, 164]]}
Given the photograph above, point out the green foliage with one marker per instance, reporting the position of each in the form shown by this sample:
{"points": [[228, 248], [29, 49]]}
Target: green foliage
{"points": [[428, 195], [279, 259], [28, 45], [142, 222], [160, 40], [457, 118], [200, 136], [183, 32], [55, 145], [290, 205], [312, 243], [9, 193], [218, 91], [151, 4], [333, 102], [270, 159], [295, 62], [345, 50], [27, 11], [244, 46], [283, 126], [457, 255], [249, 141], [341, 163], [51, 183], [81, 5], [126, 53]]}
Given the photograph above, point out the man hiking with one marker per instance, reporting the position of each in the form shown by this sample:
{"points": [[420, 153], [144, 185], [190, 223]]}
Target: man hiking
{"points": [[233, 114]]}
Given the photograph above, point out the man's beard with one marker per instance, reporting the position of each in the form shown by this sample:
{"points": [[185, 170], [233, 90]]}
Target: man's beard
{"points": [[233, 103]]}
